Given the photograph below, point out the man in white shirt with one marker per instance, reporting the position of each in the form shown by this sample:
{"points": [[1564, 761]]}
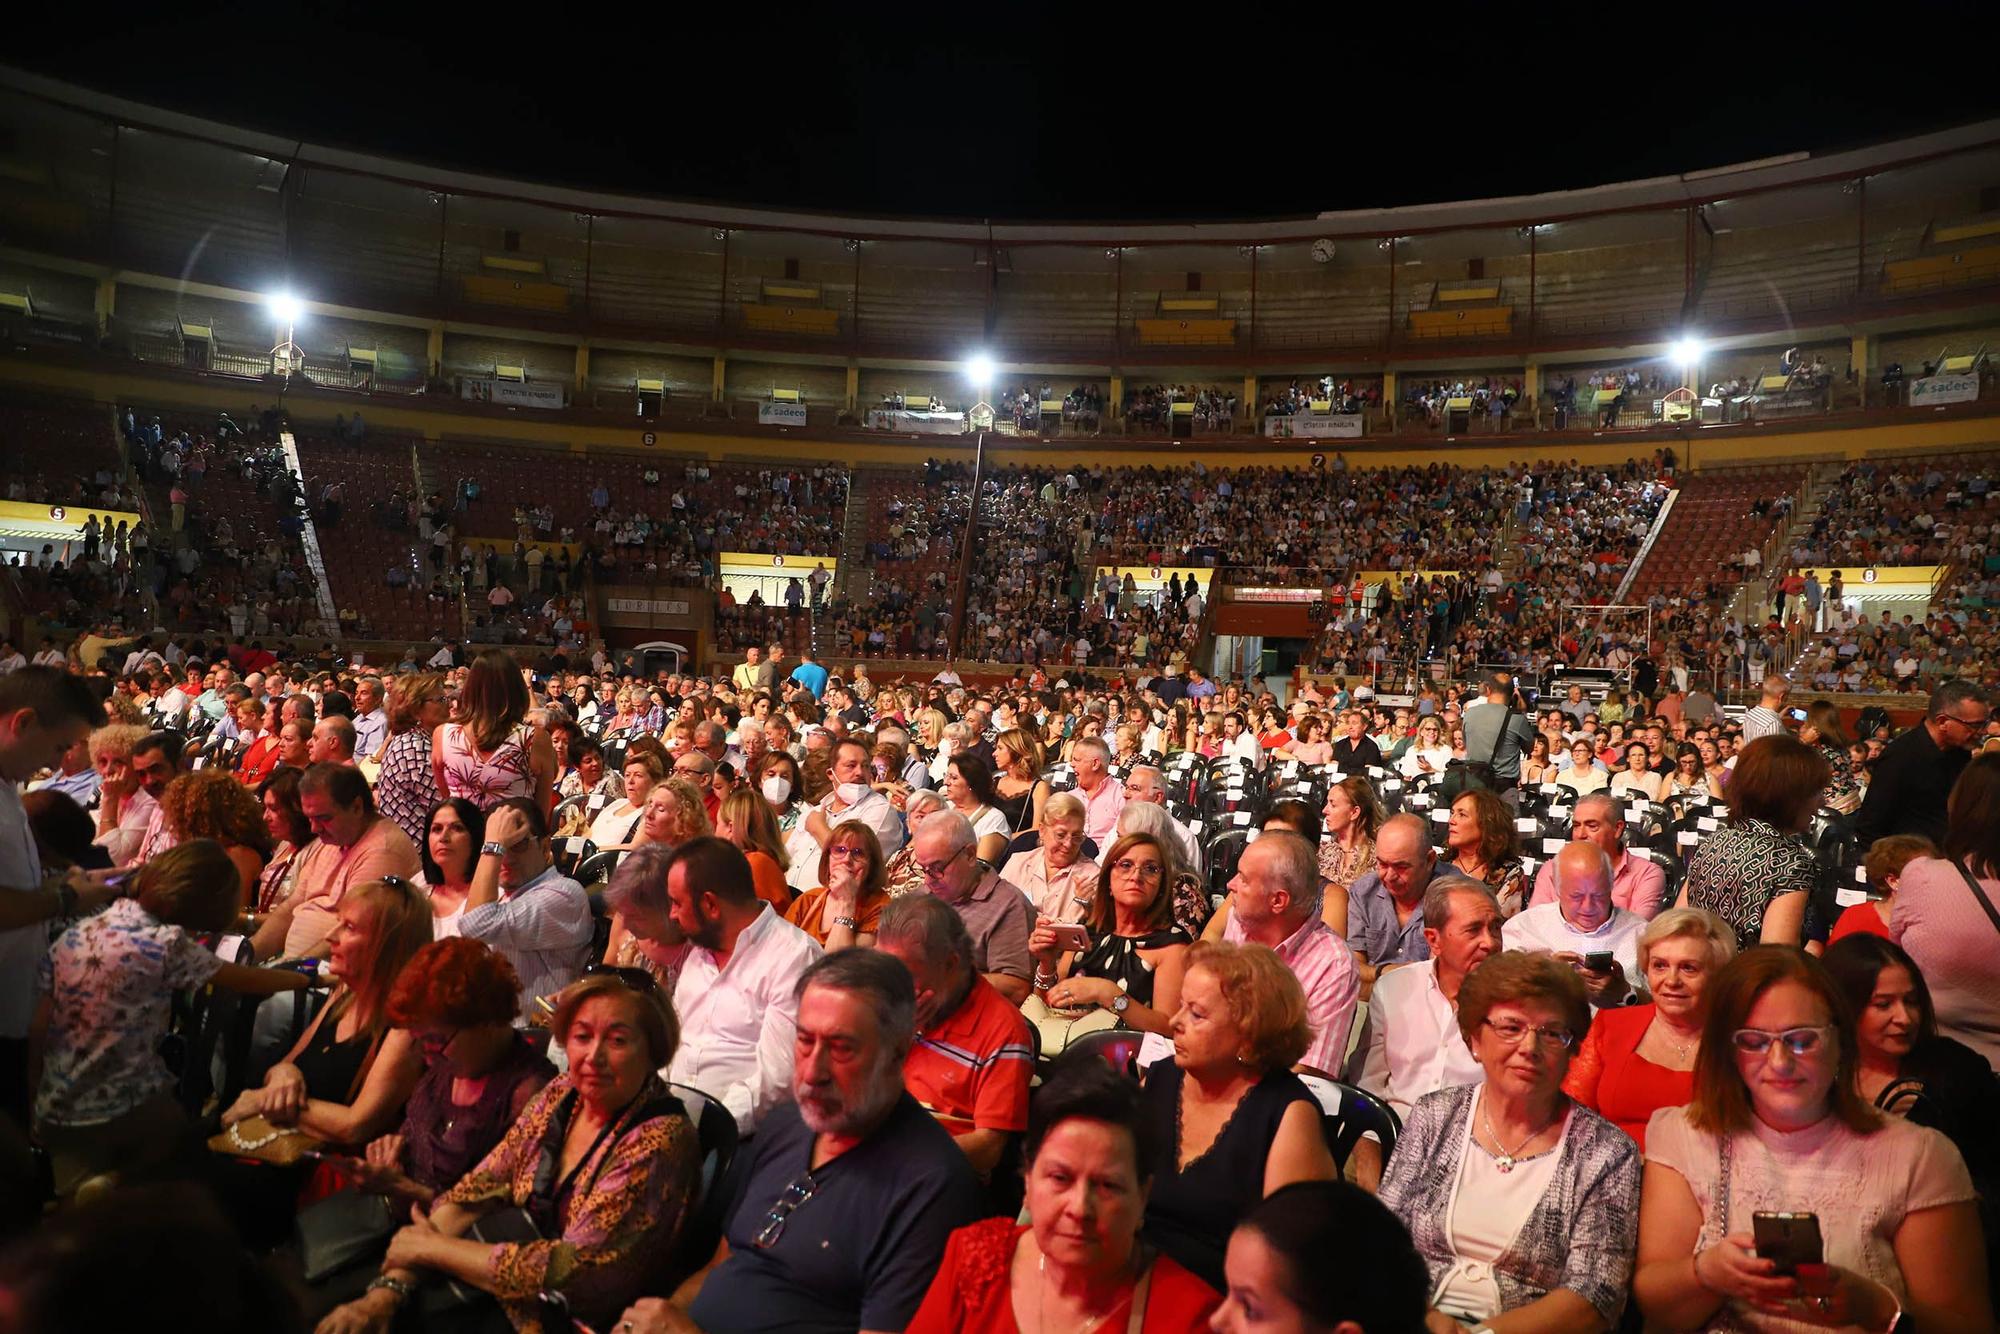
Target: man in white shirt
{"points": [[1583, 929], [1239, 742], [1102, 795], [519, 904], [1410, 1044], [1767, 719], [371, 724], [737, 996], [851, 799], [44, 712]]}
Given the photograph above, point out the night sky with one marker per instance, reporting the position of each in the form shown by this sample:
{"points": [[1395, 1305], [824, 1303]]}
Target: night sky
{"points": [[1057, 112]]}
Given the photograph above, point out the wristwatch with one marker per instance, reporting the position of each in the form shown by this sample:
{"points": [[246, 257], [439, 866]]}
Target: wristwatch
{"points": [[493, 847], [1119, 1002], [847, 922]]}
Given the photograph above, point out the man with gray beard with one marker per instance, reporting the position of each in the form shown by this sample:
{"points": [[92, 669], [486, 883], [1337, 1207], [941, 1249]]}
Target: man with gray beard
{"points": [[853, 1188]]}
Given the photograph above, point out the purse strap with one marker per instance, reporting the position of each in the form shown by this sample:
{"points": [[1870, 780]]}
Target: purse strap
{"points": [[1979, 895], [1728, 1151], [1136, 1321]]}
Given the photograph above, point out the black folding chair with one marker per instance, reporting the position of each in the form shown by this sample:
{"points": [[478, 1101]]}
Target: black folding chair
{"points": [[1360, 1113]]}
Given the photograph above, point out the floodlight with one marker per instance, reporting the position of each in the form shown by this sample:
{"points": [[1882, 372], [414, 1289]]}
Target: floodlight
{"points": [[1688, 352], [979, 369], [285, 308]]}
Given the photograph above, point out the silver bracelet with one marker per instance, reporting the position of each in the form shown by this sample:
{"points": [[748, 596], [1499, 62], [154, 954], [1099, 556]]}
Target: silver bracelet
{"points": [[390, 1283]]}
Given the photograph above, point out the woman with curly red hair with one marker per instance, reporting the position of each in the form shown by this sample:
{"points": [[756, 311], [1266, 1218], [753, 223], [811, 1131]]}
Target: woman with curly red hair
{"points": [[210, 803], [458, 998]]}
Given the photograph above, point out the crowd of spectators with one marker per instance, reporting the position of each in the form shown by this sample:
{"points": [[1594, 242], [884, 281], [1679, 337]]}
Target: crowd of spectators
{"points": [[1152, 405], [1082, 407], [848, 922], [1491, 396], [1341, 396]]}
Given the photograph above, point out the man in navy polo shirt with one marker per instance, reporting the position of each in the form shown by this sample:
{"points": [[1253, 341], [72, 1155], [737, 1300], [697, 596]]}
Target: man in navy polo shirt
{"points": [[854, 1188]]}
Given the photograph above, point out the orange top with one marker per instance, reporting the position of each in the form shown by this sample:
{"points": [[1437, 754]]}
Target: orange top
{"points": [[770, 881], [808, 913]]}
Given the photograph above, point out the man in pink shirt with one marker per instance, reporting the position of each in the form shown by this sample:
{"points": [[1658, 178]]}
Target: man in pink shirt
{"points": [[1274, 901], [1637, 885], [353, 845], [1102, 795]]}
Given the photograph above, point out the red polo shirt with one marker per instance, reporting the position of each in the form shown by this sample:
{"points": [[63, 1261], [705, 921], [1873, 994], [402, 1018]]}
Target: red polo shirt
{"points": [[974, 1065]]}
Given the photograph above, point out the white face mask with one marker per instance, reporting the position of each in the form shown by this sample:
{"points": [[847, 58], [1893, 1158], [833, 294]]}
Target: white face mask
{"points": [[777, 789], [851, 793]]}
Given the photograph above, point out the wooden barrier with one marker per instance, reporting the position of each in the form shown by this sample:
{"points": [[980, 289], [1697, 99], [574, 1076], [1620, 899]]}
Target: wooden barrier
{"points": [[1480, 322], [1960, 266], [1196, 333], [816, 320], [483, 289]]}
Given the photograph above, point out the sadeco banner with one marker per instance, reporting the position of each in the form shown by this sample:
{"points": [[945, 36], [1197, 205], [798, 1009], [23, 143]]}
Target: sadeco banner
{"points": [[511, 393], [781, 414], [1940, 389], [1337, 426]]}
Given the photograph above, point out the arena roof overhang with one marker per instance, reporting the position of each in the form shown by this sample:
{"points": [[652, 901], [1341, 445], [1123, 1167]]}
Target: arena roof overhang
{"points": [[1961, 144]]}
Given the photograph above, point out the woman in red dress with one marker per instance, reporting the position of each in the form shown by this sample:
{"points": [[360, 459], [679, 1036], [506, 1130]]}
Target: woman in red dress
{"points": [[1078, 1265], [1640, 1058]]}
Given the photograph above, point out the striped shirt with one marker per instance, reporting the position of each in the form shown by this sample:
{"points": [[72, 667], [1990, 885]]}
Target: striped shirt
{"points": [[543, 928], [972, 1067]]}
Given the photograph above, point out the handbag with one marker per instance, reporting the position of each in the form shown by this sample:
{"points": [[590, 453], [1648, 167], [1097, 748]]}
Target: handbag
{"points": [[342, 1230], [255, 1138], [1463, 776], [1058, 1028]]}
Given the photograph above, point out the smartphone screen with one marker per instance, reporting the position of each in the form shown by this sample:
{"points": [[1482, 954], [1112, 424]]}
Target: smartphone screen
{"points": [[1788, 1239], [1597, 961]]}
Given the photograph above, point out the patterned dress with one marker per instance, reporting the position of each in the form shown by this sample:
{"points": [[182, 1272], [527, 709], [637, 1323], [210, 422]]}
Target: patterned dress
{"points": [[407, 787], [1343, 866], [487, 779], [1737, 871], [620, 1214]]}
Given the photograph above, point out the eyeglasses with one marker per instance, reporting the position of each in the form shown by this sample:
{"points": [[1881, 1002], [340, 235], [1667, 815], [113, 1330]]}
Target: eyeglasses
{"points": [[1804, 1041], [1969, 724], [1514, 1032], [932, 870], [1143, 870], [790, 1198], [636, 978], [842, 852]]}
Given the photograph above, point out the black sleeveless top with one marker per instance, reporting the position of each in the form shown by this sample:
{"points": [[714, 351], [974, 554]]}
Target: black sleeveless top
{"points": [[1191, 1213], [1018, 809], [331, 1067], [1116, 959]]}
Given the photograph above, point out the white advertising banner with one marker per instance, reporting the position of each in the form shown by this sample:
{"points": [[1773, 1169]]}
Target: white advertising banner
{"points": [[1334, 426], [917, 423], [781, 414], [1938, 390], [510, 393]]}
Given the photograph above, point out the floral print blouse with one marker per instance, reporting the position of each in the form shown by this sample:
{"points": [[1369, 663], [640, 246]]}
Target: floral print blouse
{"points": [[619, 1219], [110, 981]]}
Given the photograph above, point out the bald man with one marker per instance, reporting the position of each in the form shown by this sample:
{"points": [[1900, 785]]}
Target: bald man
{"points": [[1584, 929]]}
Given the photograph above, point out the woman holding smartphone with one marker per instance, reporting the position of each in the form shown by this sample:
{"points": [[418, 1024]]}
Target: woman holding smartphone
{"points": [[1778, 1124]]}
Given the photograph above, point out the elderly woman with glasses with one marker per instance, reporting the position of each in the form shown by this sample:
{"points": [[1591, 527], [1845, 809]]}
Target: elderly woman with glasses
{"points": [[1522, 1203], [847, 905], [1131, 967], [602, 1162], [1778, 1124]]}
